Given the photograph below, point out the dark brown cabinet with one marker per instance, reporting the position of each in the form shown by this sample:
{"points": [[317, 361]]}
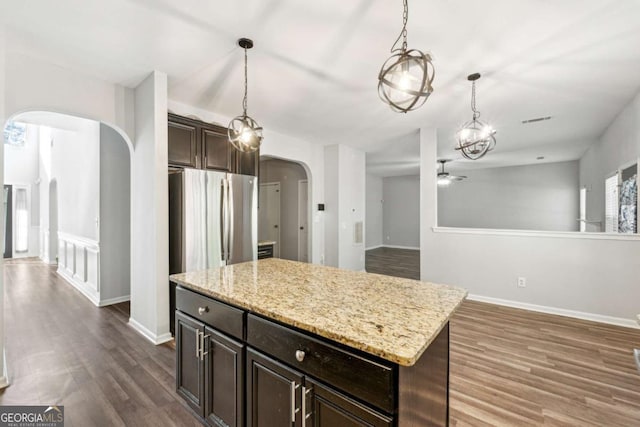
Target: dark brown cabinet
{"points": [[183, 142], [224, 386], [189, 363], [330, 408], [274, 393], [217, 151], [235, 368], [278, 395], [201, 145]]}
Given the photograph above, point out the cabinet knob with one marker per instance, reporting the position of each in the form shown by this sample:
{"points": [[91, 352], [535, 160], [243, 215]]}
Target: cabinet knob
{"points": [[202, 310], [300, 355]]}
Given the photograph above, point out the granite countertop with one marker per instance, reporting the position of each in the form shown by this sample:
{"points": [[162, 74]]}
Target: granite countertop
{"points": [[393, 318], [266, 242]]}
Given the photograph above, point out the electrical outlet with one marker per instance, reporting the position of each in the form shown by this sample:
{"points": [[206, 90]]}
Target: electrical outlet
{"points": [[522, 282]]}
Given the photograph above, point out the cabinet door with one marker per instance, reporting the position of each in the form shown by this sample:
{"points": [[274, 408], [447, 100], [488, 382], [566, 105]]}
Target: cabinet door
{"points": [[189, 364], [224, 369], [247, 163], [328, 408], [216, 149], [273, 393], [182, 142]]}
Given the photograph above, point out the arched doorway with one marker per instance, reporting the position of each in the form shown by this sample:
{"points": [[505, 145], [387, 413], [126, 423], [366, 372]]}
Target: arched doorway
{"points": [[284, 208], [80, 204]]}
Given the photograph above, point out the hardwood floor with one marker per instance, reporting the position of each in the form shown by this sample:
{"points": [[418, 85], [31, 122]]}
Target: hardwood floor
{"points": [[514, 367], [508, 367], [62, 349], [394, 262]]}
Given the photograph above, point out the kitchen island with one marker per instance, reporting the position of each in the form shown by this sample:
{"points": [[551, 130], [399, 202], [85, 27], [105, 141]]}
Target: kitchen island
{"points": [[275, 342]]}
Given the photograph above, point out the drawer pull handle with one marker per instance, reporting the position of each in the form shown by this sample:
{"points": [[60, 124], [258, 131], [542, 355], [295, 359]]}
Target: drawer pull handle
{"points": [[300, 355], [202, 310]]}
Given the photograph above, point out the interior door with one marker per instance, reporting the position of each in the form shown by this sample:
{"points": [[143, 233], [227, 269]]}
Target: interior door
{"points": [[8, 222], [303, 221], [269, 215]]}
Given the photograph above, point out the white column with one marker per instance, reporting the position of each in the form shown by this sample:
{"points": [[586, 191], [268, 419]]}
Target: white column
{"points": [[149, 215], [428, 195], [4, 377]]}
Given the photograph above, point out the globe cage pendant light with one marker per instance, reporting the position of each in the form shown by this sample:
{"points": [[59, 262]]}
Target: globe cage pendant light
{"points": [[475, 139], [244, 133], [404, 81]]}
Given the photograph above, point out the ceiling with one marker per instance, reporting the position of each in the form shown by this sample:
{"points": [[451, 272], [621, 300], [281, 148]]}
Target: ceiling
{"points": [[313, 70]]}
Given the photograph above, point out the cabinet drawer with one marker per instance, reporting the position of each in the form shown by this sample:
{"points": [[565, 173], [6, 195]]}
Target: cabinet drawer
{"points": [[365, 379], [214, 313]]}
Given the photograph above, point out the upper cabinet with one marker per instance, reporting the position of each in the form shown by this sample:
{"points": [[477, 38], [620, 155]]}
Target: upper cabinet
{"points": [[201, 145], [183, 142]]}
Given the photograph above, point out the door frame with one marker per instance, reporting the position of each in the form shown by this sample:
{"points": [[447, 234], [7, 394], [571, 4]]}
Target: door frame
{"points": [[300, 184], [276, 247]]}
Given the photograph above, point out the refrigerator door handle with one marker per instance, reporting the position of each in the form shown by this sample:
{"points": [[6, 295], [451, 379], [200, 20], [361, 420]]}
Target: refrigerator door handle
{"points": [[225, 220], [231, 222]]}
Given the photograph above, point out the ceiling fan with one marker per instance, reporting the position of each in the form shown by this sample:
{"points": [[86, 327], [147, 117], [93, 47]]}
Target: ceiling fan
{"points": [[445, 178]]}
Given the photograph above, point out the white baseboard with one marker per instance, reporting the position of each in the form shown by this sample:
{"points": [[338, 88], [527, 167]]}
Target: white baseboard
{"points": [[84, 290], [413, 248], [4, 379], [393, 247], [116, 300], [155, 339], [617, 321]]}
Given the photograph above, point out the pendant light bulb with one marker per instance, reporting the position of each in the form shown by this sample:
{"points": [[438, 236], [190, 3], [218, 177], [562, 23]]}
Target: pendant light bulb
{"points": [[404, 81], [244, 133]]}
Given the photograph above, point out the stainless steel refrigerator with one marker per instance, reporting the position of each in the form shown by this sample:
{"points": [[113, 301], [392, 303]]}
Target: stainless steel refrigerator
{"points": [[213, 221]]}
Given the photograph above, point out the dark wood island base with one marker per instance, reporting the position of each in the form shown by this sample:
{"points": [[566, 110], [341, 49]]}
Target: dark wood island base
{"points": [[236, 368]]}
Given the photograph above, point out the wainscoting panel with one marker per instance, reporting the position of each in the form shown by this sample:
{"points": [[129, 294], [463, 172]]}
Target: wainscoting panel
{"points": [[79, 264]]}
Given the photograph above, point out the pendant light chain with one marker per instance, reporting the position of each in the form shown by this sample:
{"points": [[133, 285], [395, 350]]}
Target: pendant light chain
{"points": [[244, 101], [476, 113], [403, 32]]}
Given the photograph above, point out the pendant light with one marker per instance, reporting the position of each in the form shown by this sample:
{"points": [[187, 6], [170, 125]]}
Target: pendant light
{"points": [[244, 133], [404, 81], [475, 139]]}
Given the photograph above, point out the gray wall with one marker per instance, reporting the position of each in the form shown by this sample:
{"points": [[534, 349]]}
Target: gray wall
{"points": [[115, 217], [373, 214], [401, 211], [532, 197], [287, 174], [587, 275], [618, 146], [75, 162]]}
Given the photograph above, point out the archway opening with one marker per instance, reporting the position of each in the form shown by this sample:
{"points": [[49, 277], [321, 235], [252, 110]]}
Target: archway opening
{"points": [[284, 208], [76, 203]]}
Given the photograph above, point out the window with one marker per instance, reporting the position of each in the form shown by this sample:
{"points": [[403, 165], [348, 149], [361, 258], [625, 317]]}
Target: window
{"points": [[583, 209], [611, 204], [21, 221]]}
